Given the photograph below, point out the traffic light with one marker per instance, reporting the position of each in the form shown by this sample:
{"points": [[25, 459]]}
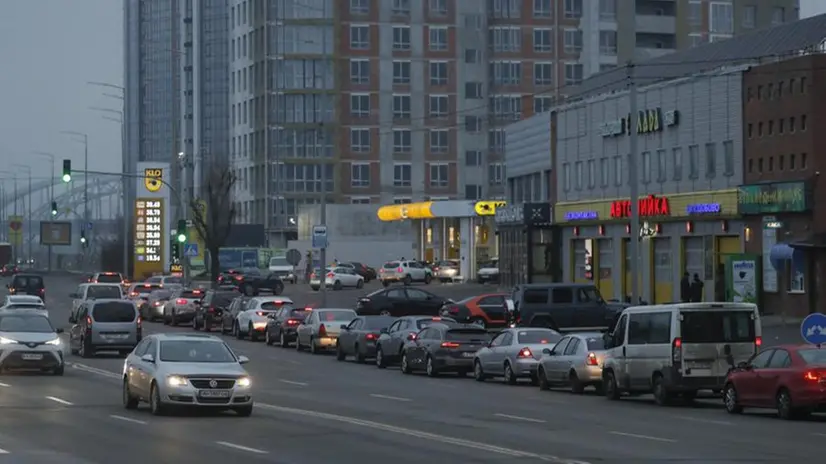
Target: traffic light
{"points": [[589, 268], [54, 208], [175, 250], [67, 170], [83, 237], [181, 230]]}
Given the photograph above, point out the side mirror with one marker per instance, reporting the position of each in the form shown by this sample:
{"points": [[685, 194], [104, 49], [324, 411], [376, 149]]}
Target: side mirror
{"points": [[243, 359], [148, 358], [608, 340], [384, 330], [59, 331], [344, 327], [547, 351]]}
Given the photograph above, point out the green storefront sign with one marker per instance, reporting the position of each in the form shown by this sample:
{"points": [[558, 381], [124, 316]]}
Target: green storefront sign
{"points": [[782, 197]]}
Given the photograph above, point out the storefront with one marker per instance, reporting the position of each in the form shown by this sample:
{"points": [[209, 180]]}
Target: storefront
{"points": [[678, 233], [528, 250], [781, 229], [453, 229]]}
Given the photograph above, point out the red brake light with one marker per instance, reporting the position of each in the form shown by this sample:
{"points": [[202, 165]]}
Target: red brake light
{"points": [[678, 343], [312, 275], [758, 341], [292, 322], [308, 308], [543, 342], [239, 277], [592, 360], [147, 285], [436, 319], [196, 292], [525, 353], [435, 268], [42, 291], [811, 376], [400, 269], [133, 293], [89, 321], [452, 345], [677, 350], [261, 313], [157, 303], [322, 331], [331, 275], [180, 301], [411, 336], [453, 310], [371, 337]]}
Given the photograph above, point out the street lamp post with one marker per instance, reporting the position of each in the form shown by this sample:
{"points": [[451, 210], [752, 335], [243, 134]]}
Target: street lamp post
{"points": [[85, 179], [29, 214], [51, 199]]}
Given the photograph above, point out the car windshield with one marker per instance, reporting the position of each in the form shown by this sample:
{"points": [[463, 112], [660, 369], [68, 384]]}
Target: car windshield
{"points": [[595, 344], [378, 322], [25, 306], [145, 289], [813, 356], [161, 294], [299, 313], [538, 336], [192, 294], [223, 298], [272, 305], [25, 323], [337, 315], [103, 291], [109, 278], [279, 261], [717, 327], [392, 265], [195, 351], [114, 311], [173, 280], [28, 282]]}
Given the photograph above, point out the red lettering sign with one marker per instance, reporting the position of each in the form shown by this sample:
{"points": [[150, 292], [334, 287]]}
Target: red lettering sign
{"points": [[648, 206]]}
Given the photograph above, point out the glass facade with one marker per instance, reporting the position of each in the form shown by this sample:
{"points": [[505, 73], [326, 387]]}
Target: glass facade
{"points": [[214, 78]]}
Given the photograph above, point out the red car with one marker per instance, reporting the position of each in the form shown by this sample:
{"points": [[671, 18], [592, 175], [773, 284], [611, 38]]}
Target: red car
{"points": [[788, 378]]}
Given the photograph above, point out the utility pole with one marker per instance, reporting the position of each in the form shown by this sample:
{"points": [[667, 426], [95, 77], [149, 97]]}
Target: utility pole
{"points": [[51, 199], [29, 224], [633, 181], [323, 256], [186, 196]]}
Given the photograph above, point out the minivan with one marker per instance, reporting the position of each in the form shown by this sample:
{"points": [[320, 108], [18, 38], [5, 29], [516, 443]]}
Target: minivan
{"points": [[105, 325], [561, 306], [675, 350]]}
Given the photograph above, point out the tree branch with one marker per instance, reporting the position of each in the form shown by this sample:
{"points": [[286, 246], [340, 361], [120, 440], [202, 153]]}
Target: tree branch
{"points": [[215, 224]]}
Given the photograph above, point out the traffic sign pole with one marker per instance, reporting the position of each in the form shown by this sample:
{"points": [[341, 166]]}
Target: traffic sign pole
{"points": [[320, 242]]}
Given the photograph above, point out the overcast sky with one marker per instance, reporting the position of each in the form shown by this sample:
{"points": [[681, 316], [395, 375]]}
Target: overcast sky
{"points": [[812, 8]]}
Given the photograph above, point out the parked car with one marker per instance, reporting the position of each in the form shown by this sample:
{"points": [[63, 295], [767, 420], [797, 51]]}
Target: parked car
{"points": [[321, 329], [447, 269], [401, 301], [514, 354], [251, 321], [336, 278], [443, 347], [252, 283], [488, 310], [390, 345], [488, 272], [359, 337], [362, 269], [405, 272], [575, 362], [282, 325], [561, 306]]}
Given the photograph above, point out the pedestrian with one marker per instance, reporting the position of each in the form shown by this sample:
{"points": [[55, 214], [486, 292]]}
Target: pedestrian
{"points": [[697, 289], [685, 288], [720, 283]]}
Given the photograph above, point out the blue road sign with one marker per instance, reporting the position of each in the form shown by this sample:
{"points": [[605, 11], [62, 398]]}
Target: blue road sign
{"points": [[813, 329], [320, 237], [191, 249]]}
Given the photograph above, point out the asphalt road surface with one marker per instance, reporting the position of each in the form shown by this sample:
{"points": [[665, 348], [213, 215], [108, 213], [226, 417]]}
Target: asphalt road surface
{"points": [[315, 410]]}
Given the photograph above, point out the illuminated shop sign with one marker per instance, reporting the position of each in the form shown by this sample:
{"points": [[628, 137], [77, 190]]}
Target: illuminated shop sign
{"points": [[649, 206], [648, 121], [149, 230], [581, 215], [703, 208], [779, 197]]}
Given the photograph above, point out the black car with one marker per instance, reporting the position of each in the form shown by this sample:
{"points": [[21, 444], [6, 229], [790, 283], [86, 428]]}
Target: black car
{"points": [[209, 312], [443, 347], [400, 301], [359, 337], [251, 283], [391, 341], [364, 270], [282, 325], [28, 284], [228, 317]]}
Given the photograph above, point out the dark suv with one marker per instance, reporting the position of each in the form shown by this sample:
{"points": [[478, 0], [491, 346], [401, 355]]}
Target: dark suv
{"points": [[28, 284]]}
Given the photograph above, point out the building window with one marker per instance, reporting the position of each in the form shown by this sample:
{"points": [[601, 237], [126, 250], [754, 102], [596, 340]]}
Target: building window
{"points": [[473, 124], [618, 171], [662, 260], [579, 175], [760, 166], [646, 167], [792, 163], [401, 72], [360, 140], [573, 40], [438, 38], [401, 37], [438, 7], [803, 161], [496, 173], [438, 175], [439, 141], [728, 158], [792, 127], [506, 107], [711, 160], [721, 18], [360, 175], [438, 73], [797, 273], [438, 106], [360, 105], [677, 152], [781, 126], [402, 173], [608, 42], [401, 8], [359, 37], [543, 73], [771, 163], [359, 71], [472, 55], [401, 106], [506, 72], [751, 165], [781, 162], [694, 162], [359, 200], [402, 200], [608, 10], [496, 139], [695, 13], [473, 90], [573, 73], [749, 16], [505, 39], [566, 177], [661, 166], [778, 15], [473, 158], [543, 40], [359, 7], [542, 104], [473, 192], [402, 140], [542, 9], [573, 9], [592, 173], [803, 122]]}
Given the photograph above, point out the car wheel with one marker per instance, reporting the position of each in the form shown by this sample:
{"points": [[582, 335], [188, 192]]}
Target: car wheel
{"points": [[661, 395], [385, 283], [785, 406], [408, 280], [430, 368], [236, 329], [405, 365], [129, 401], [72, 349], [730, 400], [279, 289], [282, 340], [510, 377], [252, 333], [206, 326], [297, 343], [360, 283], [174, 321], [340, 354], [165, 319], [267, 339], [243, 411], [427, 279], [315, 287], [609, 383], [86, 349], [156, 406], [248, 290], [337, 285], [384, 312], [380, 362], [543, 379], [195, 325], [478, 373], [58, 371], [576, 386], [360, 358], [313, 348]]}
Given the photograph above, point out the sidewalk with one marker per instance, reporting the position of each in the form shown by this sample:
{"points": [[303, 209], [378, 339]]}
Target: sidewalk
{"points": [[778, 320]]}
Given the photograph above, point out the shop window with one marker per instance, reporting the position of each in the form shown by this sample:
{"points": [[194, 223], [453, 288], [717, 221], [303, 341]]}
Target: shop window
{"points": [[662, 260], [606, 258], [797, 273], [694, 256], [582, 250]]}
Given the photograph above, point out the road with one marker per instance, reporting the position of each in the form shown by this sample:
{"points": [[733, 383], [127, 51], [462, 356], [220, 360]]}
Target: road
{"points": [[313, 409]]}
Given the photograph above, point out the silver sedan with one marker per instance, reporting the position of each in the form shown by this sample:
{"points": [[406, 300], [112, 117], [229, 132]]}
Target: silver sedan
{"points": [[514, 354], [575, 362], [178, 370]]}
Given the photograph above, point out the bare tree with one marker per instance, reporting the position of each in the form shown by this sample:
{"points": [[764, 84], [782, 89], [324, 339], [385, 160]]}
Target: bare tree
{"points": [[215, 224]]}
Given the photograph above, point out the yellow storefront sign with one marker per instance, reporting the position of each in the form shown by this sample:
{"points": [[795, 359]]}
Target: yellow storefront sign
{"points": [[699, 205], [487, 208]]}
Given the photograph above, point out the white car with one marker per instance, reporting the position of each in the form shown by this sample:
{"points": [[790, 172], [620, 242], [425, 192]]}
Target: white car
{"points": [[28, 341], [180, 309], [282, 268], [25, 302], [405, 272], [488, 272], [252, 320], [94, 291], [337, 278], [165, 280], [320, 330]]}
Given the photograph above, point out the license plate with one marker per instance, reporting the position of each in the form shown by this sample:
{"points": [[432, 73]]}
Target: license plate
{"points": [[214, 393], [698, 365], [116, 336], [468, 355], [32, 357]]}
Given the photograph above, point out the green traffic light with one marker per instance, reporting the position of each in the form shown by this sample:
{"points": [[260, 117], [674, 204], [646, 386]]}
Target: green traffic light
{"points": [[67, 177], [181, 238], [82, 239]]}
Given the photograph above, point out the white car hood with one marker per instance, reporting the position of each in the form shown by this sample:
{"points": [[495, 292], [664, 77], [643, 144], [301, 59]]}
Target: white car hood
{"points": [[25, 337], [489, 270], [205, 369]]}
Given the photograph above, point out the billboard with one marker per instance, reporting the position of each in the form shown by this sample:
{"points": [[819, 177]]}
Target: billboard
{"points": [[153, 184], [16, 230], [55, 233], [150, 234]]}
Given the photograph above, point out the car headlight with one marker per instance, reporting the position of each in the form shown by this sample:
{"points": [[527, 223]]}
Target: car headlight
{"points": [[176, 381], [244, 382], [56, 341], [7, 341]]}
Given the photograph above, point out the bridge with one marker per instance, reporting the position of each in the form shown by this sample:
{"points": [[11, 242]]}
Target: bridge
{"points": [[69, 198]]}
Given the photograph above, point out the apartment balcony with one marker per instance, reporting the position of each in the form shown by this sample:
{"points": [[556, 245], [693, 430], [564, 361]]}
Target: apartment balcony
{"points": [[648, 53], [656, 24]]}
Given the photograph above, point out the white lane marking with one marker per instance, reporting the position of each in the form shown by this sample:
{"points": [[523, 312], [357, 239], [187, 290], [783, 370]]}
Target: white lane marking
{"points": [[520, 418], [4, 385], [643, 437], [388, 397], [240, 447], [127, 419], [420, 434], [95, 370], [705, 421], [59, 400], [292, 382]]}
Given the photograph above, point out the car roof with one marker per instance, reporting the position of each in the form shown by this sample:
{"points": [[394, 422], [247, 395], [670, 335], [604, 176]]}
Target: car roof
{"points": [[107, 273], [24, 298], [331, 309], [177, 336], [23, 312], [795, 347], [100, 284], [710, 306], [110, 300], [27, 274], [266, 299]]}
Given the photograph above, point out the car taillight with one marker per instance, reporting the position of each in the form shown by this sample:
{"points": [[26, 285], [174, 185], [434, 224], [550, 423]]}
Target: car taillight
{"points": [[211, 310], [411, 336], [450, 345], [180, 301], [453, 309], [139, 322], [758, 341], [381, 271], [292, 322], [812, 376], [371, 337], [89, 321], [436, 268], [322, 331], [261, 313], [525, 353], [239, 277], [42, 291], [399, 269], [591, 360], [312, 276], [330, 275], [677, 350], [157, 303], [133, 293]]}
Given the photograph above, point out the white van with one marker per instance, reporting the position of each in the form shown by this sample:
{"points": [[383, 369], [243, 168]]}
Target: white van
{"points": [[678, 349]]}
